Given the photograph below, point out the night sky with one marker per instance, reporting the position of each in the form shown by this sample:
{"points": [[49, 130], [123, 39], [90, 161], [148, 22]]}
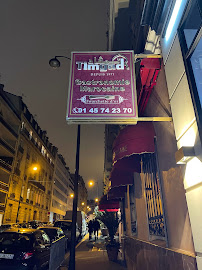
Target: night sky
{"points": [[31, 33]]}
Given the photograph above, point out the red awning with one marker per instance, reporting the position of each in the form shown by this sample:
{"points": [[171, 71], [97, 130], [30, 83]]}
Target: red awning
{"points": [[121, 178], [106, 205], [136, 139], [131, 142], [149, 70], [117, 192]]}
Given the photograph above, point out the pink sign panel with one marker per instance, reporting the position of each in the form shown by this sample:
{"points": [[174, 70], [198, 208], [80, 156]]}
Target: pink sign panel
{"points": [[102, 87]]}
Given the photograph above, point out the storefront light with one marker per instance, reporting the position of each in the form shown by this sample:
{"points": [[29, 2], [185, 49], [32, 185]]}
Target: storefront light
{"points": [[173, 19], [193, 173], [189, 138]]}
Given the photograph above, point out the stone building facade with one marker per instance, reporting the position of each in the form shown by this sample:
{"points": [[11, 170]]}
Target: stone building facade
{"points": [[28, 168], [9, 128]]}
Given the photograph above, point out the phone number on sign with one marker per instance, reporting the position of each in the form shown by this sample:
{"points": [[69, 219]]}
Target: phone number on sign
{"points": [[101, 110]]}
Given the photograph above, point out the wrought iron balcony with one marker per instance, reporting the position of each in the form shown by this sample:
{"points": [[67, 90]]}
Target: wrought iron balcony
{"points": [[36, 184], [21, 149], [8, 126], [7, 146], [6, 163]]}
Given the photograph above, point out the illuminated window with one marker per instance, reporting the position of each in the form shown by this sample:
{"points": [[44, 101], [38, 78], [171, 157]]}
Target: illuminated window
{"points": [[30, 134], [28, 193], [22, 191]]}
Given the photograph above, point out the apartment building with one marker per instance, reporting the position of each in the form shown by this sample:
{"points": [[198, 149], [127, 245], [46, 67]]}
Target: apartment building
{"points": [[34, 178], [62, 189], [9, 129]]}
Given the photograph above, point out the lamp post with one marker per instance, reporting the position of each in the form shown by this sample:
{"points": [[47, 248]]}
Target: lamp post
{"points": [[55, 63]]}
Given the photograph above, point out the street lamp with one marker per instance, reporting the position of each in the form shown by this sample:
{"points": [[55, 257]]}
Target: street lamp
{"points": [[91, 184], [55, 63]]}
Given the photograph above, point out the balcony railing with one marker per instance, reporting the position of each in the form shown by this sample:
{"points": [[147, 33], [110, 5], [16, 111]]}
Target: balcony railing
{"points": [[37, 184], [21, 149], [7, 146], [9, 127], [6, 163]]}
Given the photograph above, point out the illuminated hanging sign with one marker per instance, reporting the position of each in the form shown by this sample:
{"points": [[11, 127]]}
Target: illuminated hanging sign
{"points": [[102, 88]]}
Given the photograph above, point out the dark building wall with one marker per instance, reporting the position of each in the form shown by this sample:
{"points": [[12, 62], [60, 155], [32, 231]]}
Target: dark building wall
{"points": [[129, 35]]}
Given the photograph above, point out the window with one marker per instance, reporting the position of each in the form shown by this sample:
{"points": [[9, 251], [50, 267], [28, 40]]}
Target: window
{"points": [[28, 193], [153, 197], [30, 134], [10, 211], [46, 238], [25, 215], [190, 33], [22, 191]]}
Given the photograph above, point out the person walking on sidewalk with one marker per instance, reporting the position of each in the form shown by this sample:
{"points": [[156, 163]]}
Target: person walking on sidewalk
{"points": [[96, 227], [90, 228]]}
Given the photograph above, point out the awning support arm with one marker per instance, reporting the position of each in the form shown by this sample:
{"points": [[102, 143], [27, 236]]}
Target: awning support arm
{"points": [[142, 55], [155, 119]]}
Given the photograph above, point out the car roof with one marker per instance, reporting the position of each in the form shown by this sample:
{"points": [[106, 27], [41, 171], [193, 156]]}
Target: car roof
{"points": [[21, 230], [64, 220], [49, 227], [8, 224]]}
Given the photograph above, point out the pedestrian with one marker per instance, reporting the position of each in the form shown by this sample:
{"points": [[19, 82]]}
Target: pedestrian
{"points": [[90, 229], [96, 227]]}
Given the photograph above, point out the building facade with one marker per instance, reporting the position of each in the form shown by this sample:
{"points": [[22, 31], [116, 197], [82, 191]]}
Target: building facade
{"points": [[30, 188], [35, 179], [62, 189], [162, 206], [9, 129], [82, 194]]}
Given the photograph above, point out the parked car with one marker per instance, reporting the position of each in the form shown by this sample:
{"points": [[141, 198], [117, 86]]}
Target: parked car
{"points": [[25, 225], [27, 249], [4, 227], [35, 224], [54, 233], [66, 226]]}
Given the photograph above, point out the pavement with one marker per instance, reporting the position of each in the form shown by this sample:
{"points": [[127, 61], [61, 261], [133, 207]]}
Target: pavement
{"points": [[92, 255]]}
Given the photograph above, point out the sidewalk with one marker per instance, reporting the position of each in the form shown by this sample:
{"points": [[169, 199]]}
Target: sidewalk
{"points": [[92, 255]]}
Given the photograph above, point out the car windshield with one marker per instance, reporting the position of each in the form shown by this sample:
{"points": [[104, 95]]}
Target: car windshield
{"points": [[63, 225], [14, 240]]}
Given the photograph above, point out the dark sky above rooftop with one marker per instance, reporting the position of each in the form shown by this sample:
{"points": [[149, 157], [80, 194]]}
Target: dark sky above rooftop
{"points": [[32, 32]]}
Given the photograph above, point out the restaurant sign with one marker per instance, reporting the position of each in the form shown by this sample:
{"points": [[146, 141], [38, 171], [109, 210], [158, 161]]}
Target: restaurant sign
{"points": [[102, 88]]}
